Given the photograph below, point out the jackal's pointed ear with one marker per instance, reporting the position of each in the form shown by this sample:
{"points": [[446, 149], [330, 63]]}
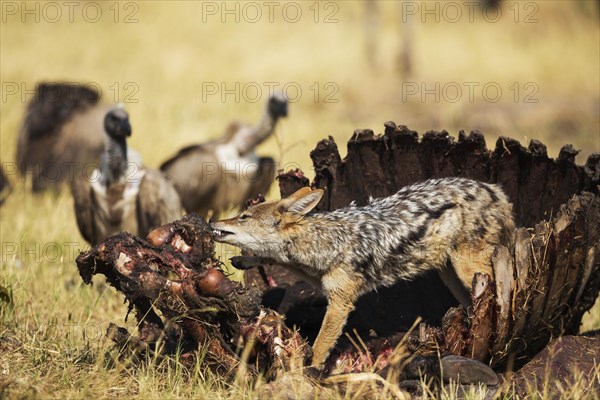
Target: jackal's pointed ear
{"points": [[299, 204], [285, 203], [304, 203], [299, 193]]}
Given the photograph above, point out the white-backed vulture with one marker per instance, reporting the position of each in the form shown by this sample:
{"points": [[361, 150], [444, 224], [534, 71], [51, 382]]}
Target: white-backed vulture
{"points": [[62, 132], [225, 172], [121, 194]]}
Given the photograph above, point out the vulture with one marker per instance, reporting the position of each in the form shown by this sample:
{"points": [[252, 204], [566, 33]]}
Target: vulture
{"points": [[61, 133], [224, 173], [121, 194]]}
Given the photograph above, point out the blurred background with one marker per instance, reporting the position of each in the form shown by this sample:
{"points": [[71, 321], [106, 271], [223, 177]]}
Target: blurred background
{"points": [[185, 69]]}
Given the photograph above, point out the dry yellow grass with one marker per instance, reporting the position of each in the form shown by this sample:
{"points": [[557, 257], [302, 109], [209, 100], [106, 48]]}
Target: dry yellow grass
{"points": [[161, 66]]}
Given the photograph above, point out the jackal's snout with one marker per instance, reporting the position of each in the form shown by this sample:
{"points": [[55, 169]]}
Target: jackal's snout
{"points": [[218, 231]]}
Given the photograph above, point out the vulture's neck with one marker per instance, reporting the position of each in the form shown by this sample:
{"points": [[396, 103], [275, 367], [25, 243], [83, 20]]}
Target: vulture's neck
{"points": [[257, 134], [115, 160]]}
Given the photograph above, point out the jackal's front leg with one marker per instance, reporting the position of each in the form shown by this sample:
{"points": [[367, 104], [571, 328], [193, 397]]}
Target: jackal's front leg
{"points": [[342, 291]]}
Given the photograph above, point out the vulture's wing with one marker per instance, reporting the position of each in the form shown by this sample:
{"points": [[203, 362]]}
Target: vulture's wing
{"points": [[197, 149], [82, 137], [195, 173], [157, 202], [52, 108], [83, 193], [182, 153]]}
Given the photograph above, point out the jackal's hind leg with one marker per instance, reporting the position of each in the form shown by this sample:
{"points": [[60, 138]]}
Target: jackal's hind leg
{"points": [[467, 259]]}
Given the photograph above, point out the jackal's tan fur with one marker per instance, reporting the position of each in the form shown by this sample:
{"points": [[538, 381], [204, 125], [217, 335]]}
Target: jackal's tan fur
{"points": [[356, 249]]}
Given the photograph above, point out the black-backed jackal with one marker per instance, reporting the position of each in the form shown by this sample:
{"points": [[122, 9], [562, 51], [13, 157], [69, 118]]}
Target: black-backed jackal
{"points": [[451, 225]]}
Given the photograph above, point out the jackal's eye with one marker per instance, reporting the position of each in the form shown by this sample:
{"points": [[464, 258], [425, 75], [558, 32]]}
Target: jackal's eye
{"points": [[243, 217]]}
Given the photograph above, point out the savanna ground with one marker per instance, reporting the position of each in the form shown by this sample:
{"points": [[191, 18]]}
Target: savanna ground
{"points": [[164, 61]]}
